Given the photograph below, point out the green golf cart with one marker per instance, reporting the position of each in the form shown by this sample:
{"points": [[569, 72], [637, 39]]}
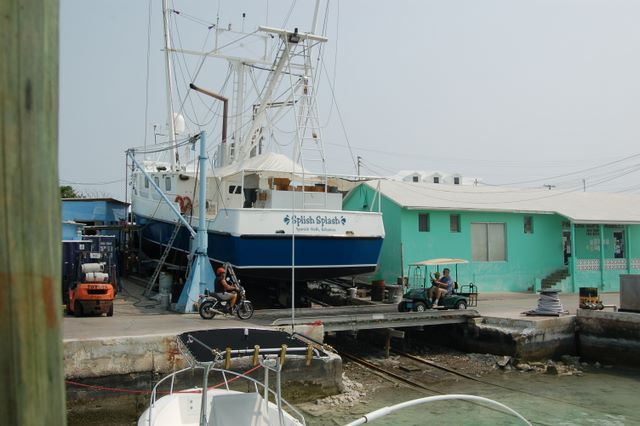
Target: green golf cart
{"points": [[421, 273]]}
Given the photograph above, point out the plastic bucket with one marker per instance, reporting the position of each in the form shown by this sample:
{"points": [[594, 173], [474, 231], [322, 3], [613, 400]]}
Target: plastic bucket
{"points": [[164, 283], [377, 290], [353, 291]]}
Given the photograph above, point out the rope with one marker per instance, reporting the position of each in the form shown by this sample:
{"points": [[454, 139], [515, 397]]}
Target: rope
{"points": [[146, 392], [548, 304]]}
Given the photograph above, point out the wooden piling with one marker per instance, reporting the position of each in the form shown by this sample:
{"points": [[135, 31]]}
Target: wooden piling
{"points": [[32, 380]]}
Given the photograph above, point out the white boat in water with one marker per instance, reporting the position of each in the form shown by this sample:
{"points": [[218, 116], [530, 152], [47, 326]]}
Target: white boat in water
{"points": [[216, 402], [266, 211]]}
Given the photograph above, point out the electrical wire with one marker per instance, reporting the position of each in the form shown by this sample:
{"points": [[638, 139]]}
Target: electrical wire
{"points": [[165, 146], [570, 173], [342, 126], [68, 182]]}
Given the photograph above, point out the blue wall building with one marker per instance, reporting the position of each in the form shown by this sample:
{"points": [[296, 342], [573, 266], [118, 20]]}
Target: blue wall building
{"points": [[94, 211]]}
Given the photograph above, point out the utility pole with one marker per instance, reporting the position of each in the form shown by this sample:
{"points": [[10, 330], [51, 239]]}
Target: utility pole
{"points": [[359, 164], [31, 366], [584, 185]]}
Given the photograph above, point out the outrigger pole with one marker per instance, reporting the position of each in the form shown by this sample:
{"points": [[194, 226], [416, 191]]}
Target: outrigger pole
{"points": [[201, 271]]}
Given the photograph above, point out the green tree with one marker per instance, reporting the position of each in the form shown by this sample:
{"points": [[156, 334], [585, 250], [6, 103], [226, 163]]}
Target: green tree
{"points": [[67, 191]]}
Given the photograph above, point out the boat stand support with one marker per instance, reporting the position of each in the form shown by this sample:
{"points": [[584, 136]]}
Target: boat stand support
{"points": [[201, 272]]}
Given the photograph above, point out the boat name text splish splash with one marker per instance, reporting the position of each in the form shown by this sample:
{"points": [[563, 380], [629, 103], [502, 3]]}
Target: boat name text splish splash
{"points": [[317, 220]]}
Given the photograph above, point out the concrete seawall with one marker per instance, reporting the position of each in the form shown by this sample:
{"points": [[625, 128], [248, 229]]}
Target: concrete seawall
{"points": [[525, 339], [607, 337], [611, 337], [158, 354], [120, 355]]}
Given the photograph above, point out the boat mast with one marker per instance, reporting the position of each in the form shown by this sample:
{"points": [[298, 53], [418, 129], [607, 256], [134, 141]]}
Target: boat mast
{"points": [[168, 67], [314, 23], [239, 104]]}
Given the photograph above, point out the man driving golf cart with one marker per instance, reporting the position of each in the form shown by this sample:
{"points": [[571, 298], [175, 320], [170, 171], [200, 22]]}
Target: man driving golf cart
{"points": [[440, 287], [443, 293]]}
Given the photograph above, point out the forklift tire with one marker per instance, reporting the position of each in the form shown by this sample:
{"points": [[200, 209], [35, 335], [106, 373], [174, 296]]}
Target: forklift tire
{"points": [[110, 311], [461, 304], [420, 307], [77, 309]]}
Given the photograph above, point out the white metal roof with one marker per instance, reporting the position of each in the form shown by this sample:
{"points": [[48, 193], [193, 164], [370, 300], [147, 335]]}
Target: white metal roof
{"points": [[579, 207]]}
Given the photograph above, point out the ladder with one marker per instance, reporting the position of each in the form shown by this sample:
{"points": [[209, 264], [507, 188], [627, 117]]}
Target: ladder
{"points": [[311, 149], [163, 258]]}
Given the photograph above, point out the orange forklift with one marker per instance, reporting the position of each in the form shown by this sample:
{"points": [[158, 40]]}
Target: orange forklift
{"points": [[92, 287]]}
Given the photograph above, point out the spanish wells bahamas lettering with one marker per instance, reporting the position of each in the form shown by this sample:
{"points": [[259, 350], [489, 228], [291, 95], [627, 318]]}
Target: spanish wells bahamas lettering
{"points": [[315, 223]]}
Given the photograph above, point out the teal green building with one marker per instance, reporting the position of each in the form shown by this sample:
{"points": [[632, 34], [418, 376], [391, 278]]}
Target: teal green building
{"points": [[514, 239]]}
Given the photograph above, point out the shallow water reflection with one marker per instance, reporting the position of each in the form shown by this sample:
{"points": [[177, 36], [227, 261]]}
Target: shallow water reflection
{"points": [[599, 397]]}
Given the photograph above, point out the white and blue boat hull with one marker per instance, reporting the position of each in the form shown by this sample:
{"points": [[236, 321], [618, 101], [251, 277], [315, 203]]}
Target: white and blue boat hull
{"points": [[323, 251]]}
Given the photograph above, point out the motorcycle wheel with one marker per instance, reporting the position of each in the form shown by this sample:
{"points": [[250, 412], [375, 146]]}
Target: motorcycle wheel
{"points": [[206, 310], [245, 310]]}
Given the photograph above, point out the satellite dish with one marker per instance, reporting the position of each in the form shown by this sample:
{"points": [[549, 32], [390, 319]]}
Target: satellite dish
{"points": [[178, 123]]}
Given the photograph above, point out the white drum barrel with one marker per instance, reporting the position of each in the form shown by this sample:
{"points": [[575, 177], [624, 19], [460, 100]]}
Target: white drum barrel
{"points": [[165, 282], [93, 267], [97, 277]]}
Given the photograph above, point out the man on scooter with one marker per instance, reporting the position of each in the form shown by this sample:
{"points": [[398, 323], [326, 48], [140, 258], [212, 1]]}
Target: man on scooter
{"points": [[224, 290]]}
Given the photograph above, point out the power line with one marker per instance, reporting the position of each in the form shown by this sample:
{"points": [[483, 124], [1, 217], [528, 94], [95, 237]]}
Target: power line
{"points": [[68, 182]]}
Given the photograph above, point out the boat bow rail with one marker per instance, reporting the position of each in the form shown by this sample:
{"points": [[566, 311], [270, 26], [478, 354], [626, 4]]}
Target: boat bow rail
{"points": [[206, 351]]}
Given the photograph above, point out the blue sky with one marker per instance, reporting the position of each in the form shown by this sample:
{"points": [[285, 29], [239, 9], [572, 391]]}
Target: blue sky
{"points": [[508, 91]]}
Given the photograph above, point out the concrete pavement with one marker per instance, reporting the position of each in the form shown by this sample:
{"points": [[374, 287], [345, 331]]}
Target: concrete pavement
{"points": [[137, 316]]}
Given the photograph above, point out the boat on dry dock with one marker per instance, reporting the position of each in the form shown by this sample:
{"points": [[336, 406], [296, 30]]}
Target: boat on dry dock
{"points": [[270, 204]]}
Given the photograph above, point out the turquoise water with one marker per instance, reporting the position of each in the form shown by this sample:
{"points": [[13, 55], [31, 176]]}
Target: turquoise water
{"points": [[605, 397]]}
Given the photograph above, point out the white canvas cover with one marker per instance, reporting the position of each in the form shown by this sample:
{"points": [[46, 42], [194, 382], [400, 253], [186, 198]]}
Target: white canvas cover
{"points": [[269, 162]]}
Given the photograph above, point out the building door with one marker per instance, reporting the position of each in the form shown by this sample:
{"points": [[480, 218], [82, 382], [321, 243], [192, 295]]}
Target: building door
{"points": [[566, 246], [618, 245]]}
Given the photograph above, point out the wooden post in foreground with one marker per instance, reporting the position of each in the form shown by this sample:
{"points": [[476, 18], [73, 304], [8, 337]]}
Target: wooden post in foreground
{"points": [[31, 371]]}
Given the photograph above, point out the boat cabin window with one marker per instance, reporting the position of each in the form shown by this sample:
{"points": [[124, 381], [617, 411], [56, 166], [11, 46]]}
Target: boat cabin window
{"points": [[156, 179], [167, 183], [235, 189], [436, 179], [456, 180], [415, 179], [146, 182]]}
